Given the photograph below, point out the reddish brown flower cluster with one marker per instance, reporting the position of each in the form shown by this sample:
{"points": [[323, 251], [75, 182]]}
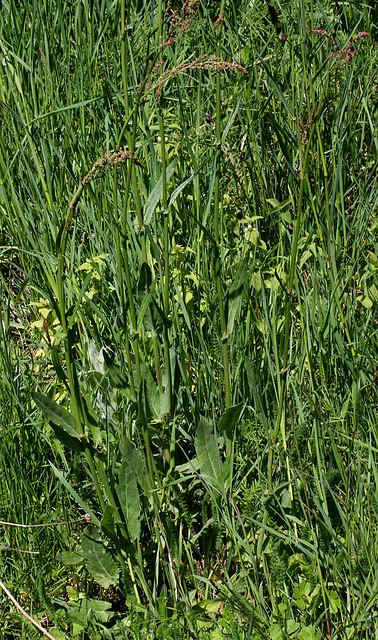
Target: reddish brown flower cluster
{"points": [[111, 159], [180, 23], [212, 63], [304, 128], [219, 21], [349, 52], [151, 74], [343, 55], [323, 32]]}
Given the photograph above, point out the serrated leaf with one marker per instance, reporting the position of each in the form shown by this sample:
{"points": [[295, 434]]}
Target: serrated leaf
{"points": [[230, 419], [208, 453], [58, 414], [275, 632], [334, 601], [128, 496], [99, 562]]}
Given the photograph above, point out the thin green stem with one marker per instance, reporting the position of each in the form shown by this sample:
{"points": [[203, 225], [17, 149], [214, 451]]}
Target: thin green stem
{"points": [[131, 137], [223, 325], [166, 239]]}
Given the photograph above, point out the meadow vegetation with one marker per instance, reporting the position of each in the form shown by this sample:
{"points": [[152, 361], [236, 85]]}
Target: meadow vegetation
{"points": [[189, 339]]}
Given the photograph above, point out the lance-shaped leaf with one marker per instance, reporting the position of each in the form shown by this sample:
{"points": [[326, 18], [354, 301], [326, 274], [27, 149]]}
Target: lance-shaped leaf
{"points": [[128, 496], [58, 414], [71, 442], [99, 561], [208, 454]]}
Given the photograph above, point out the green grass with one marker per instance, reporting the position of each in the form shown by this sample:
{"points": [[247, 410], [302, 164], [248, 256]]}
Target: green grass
{"points": [[188, 339]]}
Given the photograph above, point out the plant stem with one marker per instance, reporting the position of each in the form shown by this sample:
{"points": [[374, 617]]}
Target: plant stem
{"points": [[166, 304], [223, 325], [131, 137]]}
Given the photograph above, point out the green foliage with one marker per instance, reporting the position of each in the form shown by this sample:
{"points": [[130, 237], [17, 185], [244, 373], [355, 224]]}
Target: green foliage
{"points": [[188, 275]]}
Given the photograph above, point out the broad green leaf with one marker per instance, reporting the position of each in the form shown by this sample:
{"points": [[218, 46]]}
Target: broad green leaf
{"points": [[100, 562], [208, 453], [334, 601], [286, 499], [69, 441], [100, 608], [70, 558], [275, 632], [128, 496], [57, 366], [256, 281], [156, 193], [235, 293], [58, 414], [210, 606], [309, 633], [230, 419]]}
